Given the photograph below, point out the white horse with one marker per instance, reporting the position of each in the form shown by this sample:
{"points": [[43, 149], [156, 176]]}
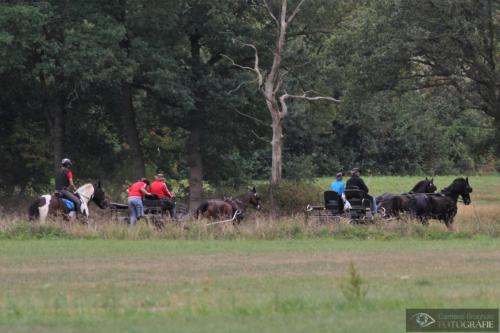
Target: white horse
{"points": [[48, 204]]}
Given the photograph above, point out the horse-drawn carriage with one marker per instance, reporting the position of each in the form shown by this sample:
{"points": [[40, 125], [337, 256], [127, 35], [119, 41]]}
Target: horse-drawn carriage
{"points": [[355, 209], [156, 211], [421, 203]]}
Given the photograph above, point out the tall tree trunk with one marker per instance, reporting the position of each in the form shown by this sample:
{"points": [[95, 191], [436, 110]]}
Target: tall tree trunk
{"points": [[271, 86], [195, 164], [276, 144], [56, 113], [496, 125], [195, 160], [129, 122], [52, 108]]}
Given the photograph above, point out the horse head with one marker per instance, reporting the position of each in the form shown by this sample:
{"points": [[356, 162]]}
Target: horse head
{"points": [[424, 186], [430, 187], [252, 197], [460, 186], [467, 189], [99, 197]]}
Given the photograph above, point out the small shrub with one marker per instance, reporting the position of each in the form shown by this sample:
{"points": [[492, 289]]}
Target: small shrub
{"points": [[423, 282], [354, 288], [292, 197]]}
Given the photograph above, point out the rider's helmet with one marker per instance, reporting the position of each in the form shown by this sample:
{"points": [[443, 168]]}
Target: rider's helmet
{"points": [[66, 162]]}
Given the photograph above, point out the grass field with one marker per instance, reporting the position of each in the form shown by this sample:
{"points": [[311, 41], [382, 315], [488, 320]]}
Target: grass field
{"points": [[237, 286], [269, 275]]}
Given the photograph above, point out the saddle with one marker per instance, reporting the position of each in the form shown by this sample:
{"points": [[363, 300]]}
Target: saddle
{"points": [[70, 205]]}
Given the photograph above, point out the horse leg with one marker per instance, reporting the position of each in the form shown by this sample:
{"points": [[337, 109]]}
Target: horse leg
{"points": [[449, 224]]}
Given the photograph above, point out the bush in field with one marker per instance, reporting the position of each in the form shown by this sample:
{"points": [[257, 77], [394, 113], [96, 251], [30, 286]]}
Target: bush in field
{"points": [[292, 197]]}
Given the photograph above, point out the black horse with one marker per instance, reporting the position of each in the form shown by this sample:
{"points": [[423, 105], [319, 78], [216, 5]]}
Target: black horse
{"points": [[394, 204], [443, 205], [229, 207]]}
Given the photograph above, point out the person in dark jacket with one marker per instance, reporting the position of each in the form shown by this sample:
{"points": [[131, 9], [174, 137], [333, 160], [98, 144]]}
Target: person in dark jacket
{"points": [[64, 184], [358, 183]]}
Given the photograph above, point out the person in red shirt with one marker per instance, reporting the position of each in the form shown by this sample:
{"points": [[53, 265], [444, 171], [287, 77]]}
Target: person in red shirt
{"points": [[136, 192], [160, 189], [64, 184]]}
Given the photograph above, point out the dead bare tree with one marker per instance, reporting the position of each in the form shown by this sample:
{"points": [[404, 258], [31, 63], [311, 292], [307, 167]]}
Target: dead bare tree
{"points": [[270, 84]]}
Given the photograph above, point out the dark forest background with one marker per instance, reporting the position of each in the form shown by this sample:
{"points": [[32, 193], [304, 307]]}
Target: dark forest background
{"points": [[127, 88]]}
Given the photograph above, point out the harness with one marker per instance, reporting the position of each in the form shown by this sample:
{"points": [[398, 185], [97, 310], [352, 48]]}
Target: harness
{"points": [[235, 205]]}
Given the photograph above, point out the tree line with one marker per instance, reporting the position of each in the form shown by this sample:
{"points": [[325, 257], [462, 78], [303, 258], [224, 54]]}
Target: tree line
{"points": [[224, 92]]}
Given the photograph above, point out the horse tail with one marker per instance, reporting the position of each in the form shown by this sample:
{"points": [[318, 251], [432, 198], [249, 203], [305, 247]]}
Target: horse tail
{"points": [[202, 208], [33, 211]]}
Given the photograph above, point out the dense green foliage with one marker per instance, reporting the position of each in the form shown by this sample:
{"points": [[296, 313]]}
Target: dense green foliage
{"points": [[127, 87]]}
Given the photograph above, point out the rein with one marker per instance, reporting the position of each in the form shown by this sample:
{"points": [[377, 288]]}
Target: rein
{"points": [[229, 220]]}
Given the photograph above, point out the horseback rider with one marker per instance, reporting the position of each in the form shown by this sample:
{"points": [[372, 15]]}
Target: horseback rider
{"points": [[64, 184], [356, 182], [160, 188]]}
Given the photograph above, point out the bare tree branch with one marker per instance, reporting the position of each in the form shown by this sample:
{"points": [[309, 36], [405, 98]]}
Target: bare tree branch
{"points": [[241, 85], [256, 64], [285, 96], [255, 69], [72, 97], [251, 117], [271, 13], [235, 64], [260, 137], [296, 10]]}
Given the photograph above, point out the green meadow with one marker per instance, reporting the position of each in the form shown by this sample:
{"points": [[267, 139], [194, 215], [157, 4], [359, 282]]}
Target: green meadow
{"points": [[268, 275], [238, 286]]}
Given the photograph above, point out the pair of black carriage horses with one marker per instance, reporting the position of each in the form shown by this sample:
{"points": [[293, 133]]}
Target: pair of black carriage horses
{"points": [[421, 202]]}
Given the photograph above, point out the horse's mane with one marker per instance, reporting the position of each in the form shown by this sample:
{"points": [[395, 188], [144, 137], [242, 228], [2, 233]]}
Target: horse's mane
{"points": [[453, 185], [86, 189], [417, 186], [248, 193]]}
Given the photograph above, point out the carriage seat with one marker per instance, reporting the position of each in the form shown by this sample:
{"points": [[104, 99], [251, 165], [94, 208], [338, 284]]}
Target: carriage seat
{"points": [[333, 202], [357, 198], [118, 206]]}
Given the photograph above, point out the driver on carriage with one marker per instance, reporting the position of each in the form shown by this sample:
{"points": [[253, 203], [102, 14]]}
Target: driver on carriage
{"points": [[356, 182], [160, 189], [338, 185], [64, 183]]}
